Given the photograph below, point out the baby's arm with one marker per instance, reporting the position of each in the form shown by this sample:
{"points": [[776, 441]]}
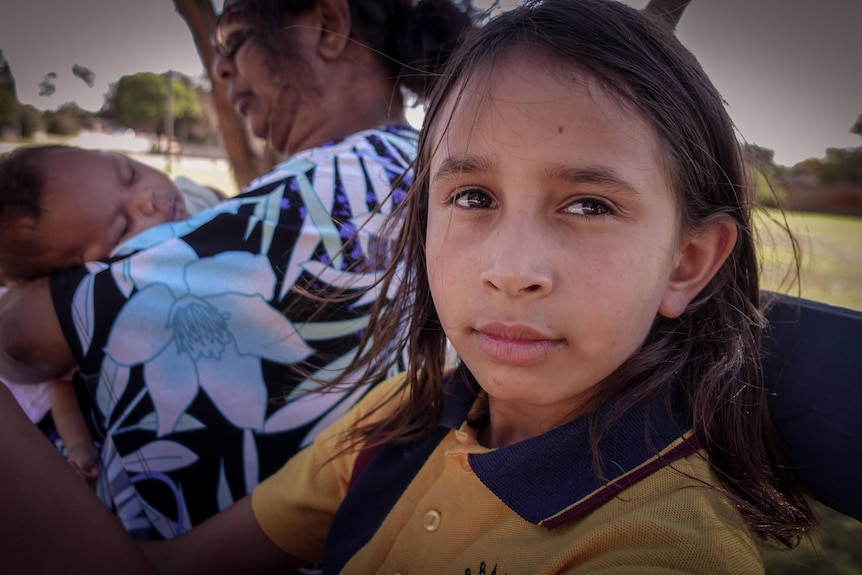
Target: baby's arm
{"points": [[81, 452], [32, 346]]}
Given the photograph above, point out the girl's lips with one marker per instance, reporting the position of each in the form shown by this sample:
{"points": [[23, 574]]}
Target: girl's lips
{"points": [[515, 345]]}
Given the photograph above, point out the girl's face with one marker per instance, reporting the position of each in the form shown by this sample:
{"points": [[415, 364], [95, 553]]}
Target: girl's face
{"points": [[268, 101], [552, 234]]}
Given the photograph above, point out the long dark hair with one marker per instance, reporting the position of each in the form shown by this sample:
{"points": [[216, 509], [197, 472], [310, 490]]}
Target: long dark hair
{"points": [[413, 39], [710, 355]]}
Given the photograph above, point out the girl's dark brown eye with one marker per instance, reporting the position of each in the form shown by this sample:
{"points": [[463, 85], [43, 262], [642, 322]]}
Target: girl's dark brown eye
{"points": [[589, 207], [471, 198]]}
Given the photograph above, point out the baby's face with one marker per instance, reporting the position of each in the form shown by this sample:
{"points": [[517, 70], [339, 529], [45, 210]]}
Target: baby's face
{"points": [[92, 201]]}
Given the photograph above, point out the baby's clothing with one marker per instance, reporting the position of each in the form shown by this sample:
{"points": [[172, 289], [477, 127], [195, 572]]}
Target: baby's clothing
{"points": [[197, 197]]}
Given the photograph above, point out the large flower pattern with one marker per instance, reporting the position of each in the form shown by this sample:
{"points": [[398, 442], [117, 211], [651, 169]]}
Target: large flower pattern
{"points": [[206, 328]]}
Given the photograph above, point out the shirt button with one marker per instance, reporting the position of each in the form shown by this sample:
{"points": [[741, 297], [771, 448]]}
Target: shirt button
{"points": [[431, 521]]}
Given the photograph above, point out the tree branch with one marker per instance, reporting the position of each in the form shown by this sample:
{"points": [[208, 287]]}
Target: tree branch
{"points": [[669, 10], [243, 151]]}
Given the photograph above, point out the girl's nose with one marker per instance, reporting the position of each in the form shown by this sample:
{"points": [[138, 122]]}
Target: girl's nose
{"points": [[517, 265]]}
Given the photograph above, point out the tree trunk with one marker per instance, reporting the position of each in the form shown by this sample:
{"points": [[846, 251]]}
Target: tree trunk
{"points": [[670, 10], [243, 151]]}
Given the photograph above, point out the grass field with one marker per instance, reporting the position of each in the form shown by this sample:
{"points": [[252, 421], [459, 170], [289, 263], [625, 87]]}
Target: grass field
{"points": [[831, 256]]}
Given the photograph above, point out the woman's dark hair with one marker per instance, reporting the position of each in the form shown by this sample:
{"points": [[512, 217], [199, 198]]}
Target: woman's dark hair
{"points": [[414, 39], [710, 355], [22, 178]]}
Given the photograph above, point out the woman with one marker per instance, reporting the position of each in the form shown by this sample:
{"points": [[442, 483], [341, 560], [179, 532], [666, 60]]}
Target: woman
{"points": [[199, 341]]}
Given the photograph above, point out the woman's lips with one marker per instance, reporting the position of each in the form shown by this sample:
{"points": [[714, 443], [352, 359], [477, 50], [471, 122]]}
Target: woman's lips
{"points": [[515, 345]]}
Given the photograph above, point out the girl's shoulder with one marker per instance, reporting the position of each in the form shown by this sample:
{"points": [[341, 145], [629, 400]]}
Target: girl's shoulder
{"points": [[380, 400]]}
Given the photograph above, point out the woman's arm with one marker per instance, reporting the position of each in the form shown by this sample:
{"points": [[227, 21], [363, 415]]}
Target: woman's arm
{"points": [[32, 346], [50, 521], [227, 543]]}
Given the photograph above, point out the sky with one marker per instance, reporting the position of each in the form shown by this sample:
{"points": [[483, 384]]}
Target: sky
{"points": [[789, 70]]}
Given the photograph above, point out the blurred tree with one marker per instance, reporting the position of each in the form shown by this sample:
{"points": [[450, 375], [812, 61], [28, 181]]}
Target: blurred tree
{"points": [[32, 121], [857, 126], [758, 155], [65, 121], [840, 166], [138, 101], [245, 153], [768, 178], [8, 96], [186, 102]]}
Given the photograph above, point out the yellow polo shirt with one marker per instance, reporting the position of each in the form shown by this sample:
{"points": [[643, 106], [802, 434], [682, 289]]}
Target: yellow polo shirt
{"points": [[447, 505]]}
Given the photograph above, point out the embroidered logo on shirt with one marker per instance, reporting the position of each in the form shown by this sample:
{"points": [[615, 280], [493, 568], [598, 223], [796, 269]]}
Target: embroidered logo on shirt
{"points": [[483, 570]]}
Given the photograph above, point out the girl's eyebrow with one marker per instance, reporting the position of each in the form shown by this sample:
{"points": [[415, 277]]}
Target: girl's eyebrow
{"points": [[592, 175], [459, 165]]}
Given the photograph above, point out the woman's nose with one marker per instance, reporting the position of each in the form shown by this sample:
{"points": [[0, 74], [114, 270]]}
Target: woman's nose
{"points": [[223, 67]]}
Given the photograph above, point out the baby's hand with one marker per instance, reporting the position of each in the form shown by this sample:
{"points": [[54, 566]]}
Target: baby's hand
{"points": [[84, 459]]}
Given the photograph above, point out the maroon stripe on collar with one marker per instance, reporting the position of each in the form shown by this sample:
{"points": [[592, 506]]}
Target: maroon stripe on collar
{"points": [[687, 447]]}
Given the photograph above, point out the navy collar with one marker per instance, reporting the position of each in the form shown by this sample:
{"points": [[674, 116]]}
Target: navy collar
{"points": [[551, 479]]}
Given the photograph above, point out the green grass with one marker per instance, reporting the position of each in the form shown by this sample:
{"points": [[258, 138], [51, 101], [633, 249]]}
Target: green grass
{"points": [[831, 256]]}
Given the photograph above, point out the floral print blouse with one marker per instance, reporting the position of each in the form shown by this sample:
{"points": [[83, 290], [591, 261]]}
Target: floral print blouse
{"points": [[194, 346]]}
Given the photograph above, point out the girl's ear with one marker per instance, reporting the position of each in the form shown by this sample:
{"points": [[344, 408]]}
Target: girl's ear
{"points": [[335, 27], [701, 255]]}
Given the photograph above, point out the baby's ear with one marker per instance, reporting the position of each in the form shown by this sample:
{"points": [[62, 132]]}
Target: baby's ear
{"points": [[701, 255]]}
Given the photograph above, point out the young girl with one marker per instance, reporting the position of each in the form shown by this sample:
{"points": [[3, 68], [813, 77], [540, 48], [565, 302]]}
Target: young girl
{"points": [[579, 229]]}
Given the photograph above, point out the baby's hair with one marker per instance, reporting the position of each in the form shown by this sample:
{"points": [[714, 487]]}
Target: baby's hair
{"points": [[708, 357], [22, 180]]}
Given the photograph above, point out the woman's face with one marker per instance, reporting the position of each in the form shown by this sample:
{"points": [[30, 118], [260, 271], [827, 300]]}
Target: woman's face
{"points": [[268, 98]]}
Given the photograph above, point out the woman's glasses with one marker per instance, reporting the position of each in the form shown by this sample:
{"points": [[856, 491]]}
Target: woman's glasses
{"points": [[231, 30]]}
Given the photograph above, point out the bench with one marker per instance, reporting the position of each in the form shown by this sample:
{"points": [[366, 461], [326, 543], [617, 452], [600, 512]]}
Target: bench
{"points": [[812, 360]]}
